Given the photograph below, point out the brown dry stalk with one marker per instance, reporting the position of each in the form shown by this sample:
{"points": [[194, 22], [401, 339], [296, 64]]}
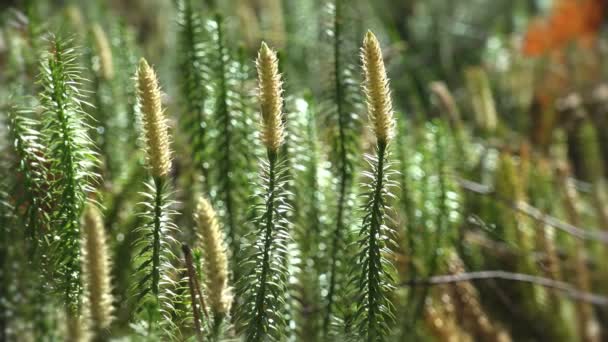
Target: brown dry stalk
{"points": [[469, 309], [535, 213], [447, 103], [195, 293], [440, 321]]}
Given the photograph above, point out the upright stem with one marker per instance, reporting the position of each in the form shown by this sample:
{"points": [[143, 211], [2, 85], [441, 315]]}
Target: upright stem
{"points": [[70, 205], [373, 249], [195, 106], [439, 222], [585, 317], [218, 319], [225, 163], [196, 315], [158, 203], [343, 173], [260, 307]]}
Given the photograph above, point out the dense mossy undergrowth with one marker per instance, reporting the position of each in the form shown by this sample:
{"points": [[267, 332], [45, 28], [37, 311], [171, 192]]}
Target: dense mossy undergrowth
{"points": [[274, 171]]}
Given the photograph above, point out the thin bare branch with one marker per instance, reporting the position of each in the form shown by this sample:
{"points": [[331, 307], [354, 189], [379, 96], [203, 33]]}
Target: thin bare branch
{"points": [[535, 213], [560, 286]]}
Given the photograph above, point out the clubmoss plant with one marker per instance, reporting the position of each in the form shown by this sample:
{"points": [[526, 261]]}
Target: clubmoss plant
{"points": [[69, 151], [108, 108], [261, 315], [102, 45], [406, 199], [125, 55], [75, 18], [156, 241], [482, 99], [96, 270], [76, 330], [193, 80], [541, 196], [197, 300], [271, 99], [310, 219], [215, 263], [517, 230], [234, 149], [24, 216], [8, 284], [343, 126], [373, 272], [438, 197], [593, 169], [31, 163], [587, 324], [156, 128], [430, 222]]}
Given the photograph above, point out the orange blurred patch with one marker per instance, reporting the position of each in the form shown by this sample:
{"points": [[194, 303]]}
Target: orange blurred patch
{"points": [[569, 21], [536, 41]]}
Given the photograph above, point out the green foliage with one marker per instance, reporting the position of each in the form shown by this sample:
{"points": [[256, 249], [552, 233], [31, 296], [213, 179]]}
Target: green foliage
{"points": [[111, 115], [234, 146], [125, 52], [261, 315], [194, 69], [310, 218], [343, 126], [374, 279], [323, 245], [24, 219], [31, 163], [7, 280], [71, 159], [153, 289]]}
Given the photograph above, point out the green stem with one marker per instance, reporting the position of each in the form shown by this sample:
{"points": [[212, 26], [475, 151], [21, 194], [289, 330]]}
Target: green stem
{"points": [[344, 176], [260, 308], [157, 221], [194, 83], [5, 282], [70, 205], [225, 161], [374, 250], [216, 331], [439, 222]]}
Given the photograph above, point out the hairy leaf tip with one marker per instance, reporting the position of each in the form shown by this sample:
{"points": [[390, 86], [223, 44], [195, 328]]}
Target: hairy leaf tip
{"points": [[270, 97], [214, 255], [376, 88], [154, 121]]}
